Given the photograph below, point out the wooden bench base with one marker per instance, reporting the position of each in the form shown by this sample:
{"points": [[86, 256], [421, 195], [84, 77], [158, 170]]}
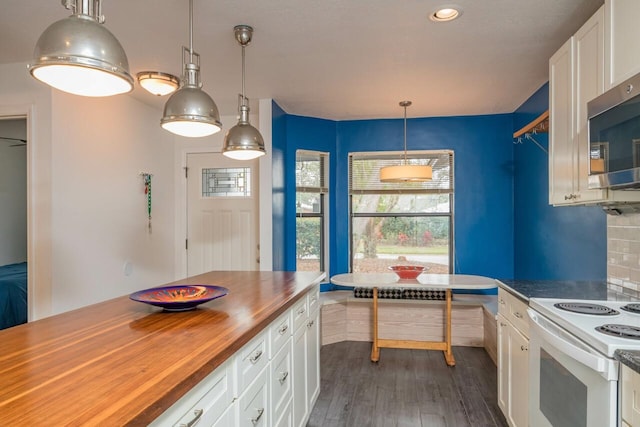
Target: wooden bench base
{"points": [[345, 318]]}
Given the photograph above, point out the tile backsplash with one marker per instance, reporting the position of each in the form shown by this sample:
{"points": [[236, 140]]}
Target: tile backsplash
{"points": [[623, 253]]}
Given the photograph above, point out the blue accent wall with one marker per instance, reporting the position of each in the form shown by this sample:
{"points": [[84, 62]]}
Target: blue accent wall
{"points": [[503, 223], [551, 243]]}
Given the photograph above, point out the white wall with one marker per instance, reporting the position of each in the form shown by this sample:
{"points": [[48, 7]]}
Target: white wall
{"points": [[99, 212], [13, 192]]}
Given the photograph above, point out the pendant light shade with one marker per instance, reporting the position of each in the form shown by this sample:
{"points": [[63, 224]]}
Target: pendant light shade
{"points": [[405, 172], [190, 111], [79, 55], [243, 141]]}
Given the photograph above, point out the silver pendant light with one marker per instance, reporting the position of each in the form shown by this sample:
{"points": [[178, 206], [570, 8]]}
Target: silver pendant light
{"points": [[405, 172], [80, 56], [243, 141], [190, 111]]}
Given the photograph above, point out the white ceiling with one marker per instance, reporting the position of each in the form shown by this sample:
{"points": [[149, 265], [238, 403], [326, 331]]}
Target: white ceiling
{"points": [[334, 59]]}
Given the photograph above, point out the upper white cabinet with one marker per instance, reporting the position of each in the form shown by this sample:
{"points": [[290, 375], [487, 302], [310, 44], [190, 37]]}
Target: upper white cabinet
{"points": [[621, 37], [577, 74]]}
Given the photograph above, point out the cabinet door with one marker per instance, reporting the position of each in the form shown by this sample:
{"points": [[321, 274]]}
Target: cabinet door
{"points": [[589, 83], [630, 396], [561, 126], [281, 375], [252, 405], [519, 378], [299, 376], [503, 365], [622, 34], [313, 359]]}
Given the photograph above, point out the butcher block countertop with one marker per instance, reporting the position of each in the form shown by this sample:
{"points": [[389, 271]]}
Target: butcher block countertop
{"points": [[122, 362]]}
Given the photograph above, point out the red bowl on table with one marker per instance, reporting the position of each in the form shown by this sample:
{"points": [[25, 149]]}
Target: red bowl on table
{"points": [[408, 272]]}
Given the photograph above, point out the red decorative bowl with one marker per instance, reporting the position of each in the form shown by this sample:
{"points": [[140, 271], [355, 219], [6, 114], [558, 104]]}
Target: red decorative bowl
{"points": [[408, 272]]}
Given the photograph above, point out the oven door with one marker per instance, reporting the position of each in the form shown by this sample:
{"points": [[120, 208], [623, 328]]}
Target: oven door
{"points": [[570, 384]]}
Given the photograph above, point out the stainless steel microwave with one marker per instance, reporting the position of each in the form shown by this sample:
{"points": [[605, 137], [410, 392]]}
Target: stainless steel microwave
{"points": [[614, 137]]}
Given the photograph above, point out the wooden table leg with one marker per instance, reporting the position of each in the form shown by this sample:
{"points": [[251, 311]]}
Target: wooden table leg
{"points": [[448, 354], [375, 350]]}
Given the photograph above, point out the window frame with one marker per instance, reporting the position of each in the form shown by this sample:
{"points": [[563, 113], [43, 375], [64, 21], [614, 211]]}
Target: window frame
{"points": [[323, 189], [402, 188]]}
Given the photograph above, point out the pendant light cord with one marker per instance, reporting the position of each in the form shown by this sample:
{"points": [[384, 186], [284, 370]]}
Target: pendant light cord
{"points": [[191, 31], [405, 134], [243, 98]]}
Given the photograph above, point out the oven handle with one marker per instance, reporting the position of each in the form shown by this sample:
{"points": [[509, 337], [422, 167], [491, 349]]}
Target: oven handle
{"points": [[597, 363]]}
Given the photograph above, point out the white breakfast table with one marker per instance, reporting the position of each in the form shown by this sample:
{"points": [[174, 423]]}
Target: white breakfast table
{"points": [[445, 282]]}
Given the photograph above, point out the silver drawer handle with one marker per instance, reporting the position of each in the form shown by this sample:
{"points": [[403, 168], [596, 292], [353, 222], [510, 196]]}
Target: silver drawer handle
{"points": [[310, 324], [256, 356], [255, 420], [302, 310], [197, 414], [283, 377], [518, 315], [283, 329]]}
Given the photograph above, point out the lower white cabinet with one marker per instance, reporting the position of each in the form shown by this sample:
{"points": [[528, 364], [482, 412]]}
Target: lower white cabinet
{"points": [[306, 366], [513, 360], [205, 403], [272, 381], [630, 396], [253, 404], [280, 380], [227, 419]]}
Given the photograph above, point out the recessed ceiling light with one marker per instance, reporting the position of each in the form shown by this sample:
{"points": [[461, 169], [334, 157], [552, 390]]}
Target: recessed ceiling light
{"points": [[446, 13]]}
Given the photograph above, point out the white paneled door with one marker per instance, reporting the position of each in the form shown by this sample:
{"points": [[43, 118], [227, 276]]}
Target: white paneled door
{"points": [[222, 214]]}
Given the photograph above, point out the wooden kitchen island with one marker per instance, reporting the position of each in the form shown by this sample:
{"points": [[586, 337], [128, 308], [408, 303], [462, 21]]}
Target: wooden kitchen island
{"points": [[122, 362]]}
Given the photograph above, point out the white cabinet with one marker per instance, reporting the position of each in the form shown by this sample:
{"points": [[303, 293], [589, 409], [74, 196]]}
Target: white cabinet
{"points": [[306, 361], [204, 403], [513, 359], [630, 397], [280, 380], [622, 35], [257, 385], [253, 409], [576, 75]]}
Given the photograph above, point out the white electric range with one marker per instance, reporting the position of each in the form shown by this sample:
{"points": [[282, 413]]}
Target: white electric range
{"points": [[587, 319], [573, 373]]}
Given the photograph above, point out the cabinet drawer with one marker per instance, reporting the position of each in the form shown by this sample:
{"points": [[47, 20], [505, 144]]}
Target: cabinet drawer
{"points": [[279, 333], [313, 298], [514, 310], [206, 402], [252, 405], [251, 359], [299, 312], [280, 380]]}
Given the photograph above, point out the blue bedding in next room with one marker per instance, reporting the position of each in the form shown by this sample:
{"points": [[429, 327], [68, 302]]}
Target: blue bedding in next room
{"points": [[13, 295]]}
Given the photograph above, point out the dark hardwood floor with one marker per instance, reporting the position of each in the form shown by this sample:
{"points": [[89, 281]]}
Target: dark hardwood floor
{"points": [[409, 388]]}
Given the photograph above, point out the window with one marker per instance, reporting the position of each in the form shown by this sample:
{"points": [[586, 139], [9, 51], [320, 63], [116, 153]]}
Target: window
{"points": [[408, 223], [312, 189]]}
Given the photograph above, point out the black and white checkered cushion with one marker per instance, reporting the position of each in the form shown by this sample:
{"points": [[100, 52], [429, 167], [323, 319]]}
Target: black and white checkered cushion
{"points": [[388, 293], [424, 294]]}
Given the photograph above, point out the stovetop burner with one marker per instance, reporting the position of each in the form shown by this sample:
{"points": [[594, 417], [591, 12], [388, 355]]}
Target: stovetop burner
{"points": [[621, 331], [586, 308], [632, 308]]}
